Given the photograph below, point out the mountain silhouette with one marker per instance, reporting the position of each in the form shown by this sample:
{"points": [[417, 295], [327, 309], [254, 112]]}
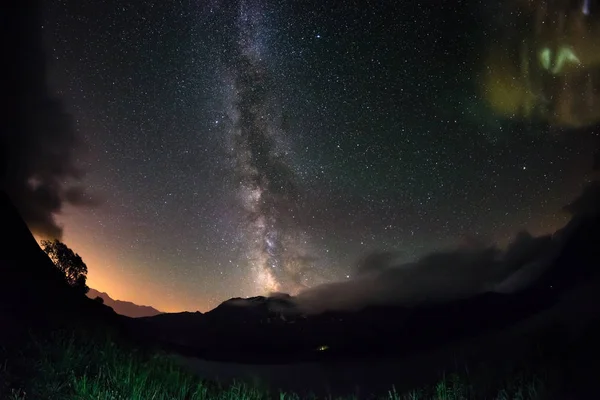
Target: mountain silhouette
{"points": [[34, 294], [126, 308], [564, 298]]}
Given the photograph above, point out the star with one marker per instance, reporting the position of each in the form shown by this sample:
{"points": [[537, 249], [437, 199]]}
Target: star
{"points": [[235, 158]]}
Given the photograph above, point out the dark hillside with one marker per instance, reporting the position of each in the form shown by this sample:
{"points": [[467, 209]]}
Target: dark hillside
{"points": [[33, 292]]}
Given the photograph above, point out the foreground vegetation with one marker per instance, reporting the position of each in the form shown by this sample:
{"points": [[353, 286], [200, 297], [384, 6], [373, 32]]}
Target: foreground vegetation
{"points": [[71, 366]]}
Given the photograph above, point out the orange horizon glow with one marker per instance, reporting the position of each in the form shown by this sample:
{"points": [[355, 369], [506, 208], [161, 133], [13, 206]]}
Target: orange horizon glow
{"points": [[106, 276]]}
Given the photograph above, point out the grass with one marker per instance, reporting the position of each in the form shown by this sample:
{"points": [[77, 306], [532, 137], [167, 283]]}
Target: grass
{"points": [[70, 366]]}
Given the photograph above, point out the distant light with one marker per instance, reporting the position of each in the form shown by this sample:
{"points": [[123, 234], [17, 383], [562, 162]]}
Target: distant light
{"points": [[322, 348], [348, 276], [318, 36]]}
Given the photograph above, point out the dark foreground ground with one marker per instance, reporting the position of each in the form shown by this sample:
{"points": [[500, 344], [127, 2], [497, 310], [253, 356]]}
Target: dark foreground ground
{"points": [[73, 362], [552, 355], [56, 343]]}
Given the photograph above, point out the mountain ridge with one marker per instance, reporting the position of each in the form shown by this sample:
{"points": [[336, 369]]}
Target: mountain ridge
{"points": [[272, 329], [126, 308]]}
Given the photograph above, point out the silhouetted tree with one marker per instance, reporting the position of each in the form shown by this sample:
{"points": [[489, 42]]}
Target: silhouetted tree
{"points": [[99, 299], [69, 262]]}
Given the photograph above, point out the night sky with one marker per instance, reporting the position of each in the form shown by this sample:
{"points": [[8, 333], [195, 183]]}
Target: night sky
{"points": [[241, 147]]}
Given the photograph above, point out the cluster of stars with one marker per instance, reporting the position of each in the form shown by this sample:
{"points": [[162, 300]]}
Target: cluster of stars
{"points": [[372, 109]]}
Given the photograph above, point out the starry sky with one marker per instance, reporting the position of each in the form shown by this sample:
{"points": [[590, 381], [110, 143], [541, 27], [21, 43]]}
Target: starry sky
{"points": [[240, 147]]}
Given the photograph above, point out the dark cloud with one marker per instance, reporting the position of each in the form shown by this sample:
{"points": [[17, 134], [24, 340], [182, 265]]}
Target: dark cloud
{"points": [[78, 196], [454, 274], [436, 277], [375, 262], [37, 136], [588, 203]]}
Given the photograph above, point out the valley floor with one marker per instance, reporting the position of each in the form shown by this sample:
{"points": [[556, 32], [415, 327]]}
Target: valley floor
{"points": [[538, 359], [556, 336], [74, 365]]}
